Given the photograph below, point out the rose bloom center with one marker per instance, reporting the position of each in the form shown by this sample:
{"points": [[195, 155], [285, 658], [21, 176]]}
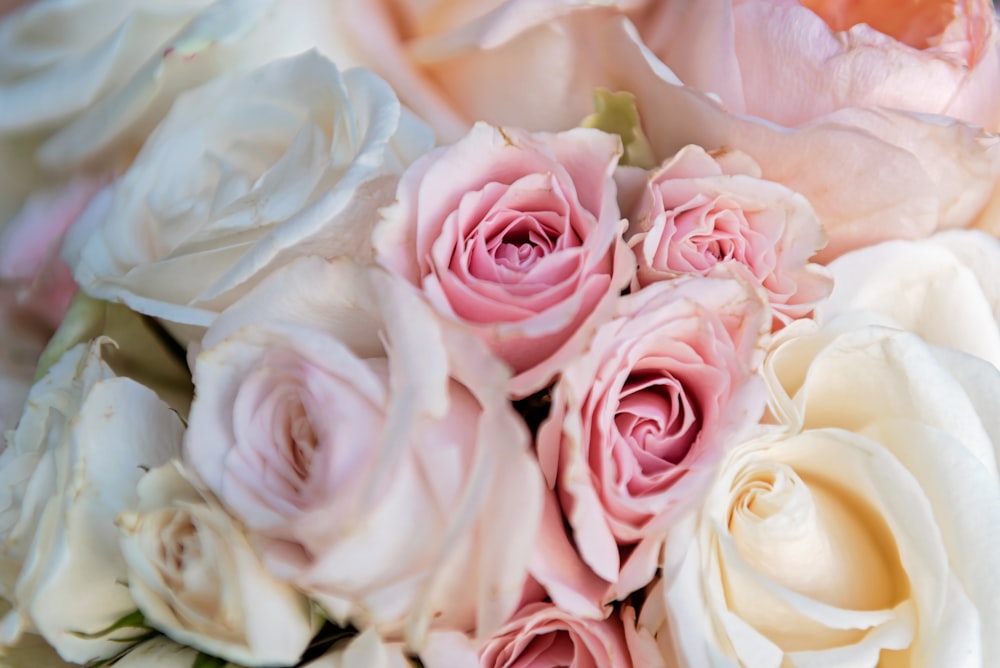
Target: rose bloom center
{"points": [[657, 419]]}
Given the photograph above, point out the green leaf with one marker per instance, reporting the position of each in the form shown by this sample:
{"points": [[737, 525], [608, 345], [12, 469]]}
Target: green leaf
{"points": [[131, 620], [80, 324], [616, 113], [208, 661], [144, 351]]}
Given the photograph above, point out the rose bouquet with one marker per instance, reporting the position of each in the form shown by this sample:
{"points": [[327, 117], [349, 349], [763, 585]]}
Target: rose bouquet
{"points": [[499, 333]]}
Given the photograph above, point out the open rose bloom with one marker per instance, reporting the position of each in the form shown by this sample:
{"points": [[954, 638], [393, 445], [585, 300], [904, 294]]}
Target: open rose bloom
{"points": [[373, 471], [519, 235], [499, 334]]}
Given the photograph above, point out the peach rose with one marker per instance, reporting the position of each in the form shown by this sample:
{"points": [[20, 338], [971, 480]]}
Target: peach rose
{"points": [[792, 62], [459, 61], [519, 236], [871, 174]]}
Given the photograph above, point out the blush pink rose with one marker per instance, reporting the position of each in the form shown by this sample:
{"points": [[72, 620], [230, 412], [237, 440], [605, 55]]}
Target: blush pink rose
{"points": [[518, 235], [369, 450], [871, 174], [458, 61], [542, 635], [639, 422], [704, 213], [29, 249], [791, 62]]}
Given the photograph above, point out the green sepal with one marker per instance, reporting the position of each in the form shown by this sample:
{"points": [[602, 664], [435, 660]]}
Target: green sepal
{"points": [[131, 620], [617, 114]]}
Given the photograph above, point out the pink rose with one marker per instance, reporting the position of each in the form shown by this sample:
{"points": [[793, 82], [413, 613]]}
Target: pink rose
{"points": [[639, 421], [541, 635], [29, 249], [871, 174], [519, 236], [458, 61], [791, 62], [704, 213], [369, 450]]}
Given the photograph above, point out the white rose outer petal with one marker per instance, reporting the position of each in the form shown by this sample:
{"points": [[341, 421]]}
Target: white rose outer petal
{"points": [[100, 74], [85, 476], [238, 611], [295, 159], [60, 57], [938, 288], [159, 652], [365, 650]]}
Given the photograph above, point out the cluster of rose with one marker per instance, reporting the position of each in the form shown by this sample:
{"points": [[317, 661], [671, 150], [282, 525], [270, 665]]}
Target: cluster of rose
{"points": [[499, 333]]}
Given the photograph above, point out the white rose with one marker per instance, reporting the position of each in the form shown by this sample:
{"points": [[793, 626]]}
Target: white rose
{"points": [[30, 650], [195, 577], [158, 652], [868, 536], [244, 174], [69, 469], [98, 74], [942, 288], [367, 650]]}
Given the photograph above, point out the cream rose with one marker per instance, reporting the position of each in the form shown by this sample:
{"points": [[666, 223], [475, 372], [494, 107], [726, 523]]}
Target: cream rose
{"points": [[97, 75], [194, 576], [294, 159], [369, 449], [859, 531], [942, 288], [72, 465]]}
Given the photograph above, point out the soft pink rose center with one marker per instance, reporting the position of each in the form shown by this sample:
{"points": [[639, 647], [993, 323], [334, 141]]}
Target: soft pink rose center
{"points": [[704, 234], [292, 435], [523, 225], [916, 24], [297, 438], [299, 430], [657, 419], [522, 246]]}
